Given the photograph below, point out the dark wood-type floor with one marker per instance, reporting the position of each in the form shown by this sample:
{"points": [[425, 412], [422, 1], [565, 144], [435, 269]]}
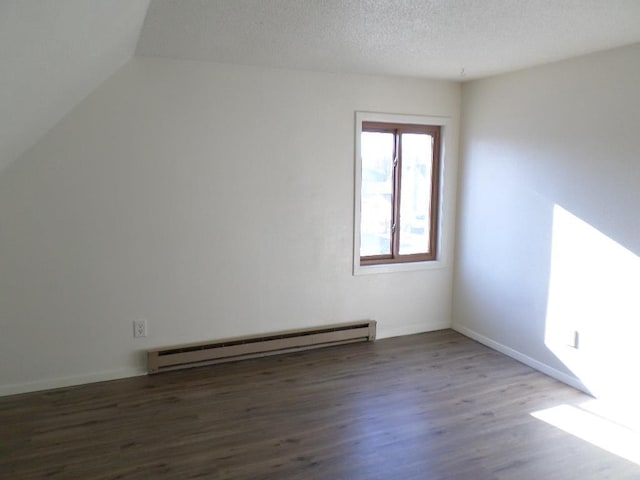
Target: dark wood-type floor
{"points": [[431, 406]]}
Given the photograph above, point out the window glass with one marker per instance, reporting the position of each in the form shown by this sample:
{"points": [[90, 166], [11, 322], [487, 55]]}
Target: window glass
{"points": [[415, 193], [377, 150]]}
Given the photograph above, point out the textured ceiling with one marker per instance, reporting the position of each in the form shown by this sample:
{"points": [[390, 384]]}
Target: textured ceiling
{"points": [[53, 53], [425, 38]]}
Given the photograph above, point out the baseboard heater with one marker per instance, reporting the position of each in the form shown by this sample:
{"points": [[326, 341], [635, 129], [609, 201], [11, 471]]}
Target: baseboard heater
{"points": [[232, 349]]}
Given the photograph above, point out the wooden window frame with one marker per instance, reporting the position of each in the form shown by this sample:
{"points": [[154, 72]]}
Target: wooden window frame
{"points": [[398, 129]]}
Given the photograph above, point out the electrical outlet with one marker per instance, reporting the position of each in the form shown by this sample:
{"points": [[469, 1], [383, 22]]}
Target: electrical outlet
{"points": [[139, 328], [574, 339]]}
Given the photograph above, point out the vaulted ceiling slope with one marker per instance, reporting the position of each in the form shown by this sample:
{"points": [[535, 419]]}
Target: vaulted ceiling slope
{"points": [[422, 38], [53, 53]]}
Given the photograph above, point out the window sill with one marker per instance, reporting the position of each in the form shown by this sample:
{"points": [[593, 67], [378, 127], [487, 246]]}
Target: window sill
{"points": [[397, 267]]}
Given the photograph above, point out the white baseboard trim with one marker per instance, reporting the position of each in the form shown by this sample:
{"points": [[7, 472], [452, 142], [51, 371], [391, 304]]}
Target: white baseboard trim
{"points": [[61, 382], [412, 329], [521, 357]]}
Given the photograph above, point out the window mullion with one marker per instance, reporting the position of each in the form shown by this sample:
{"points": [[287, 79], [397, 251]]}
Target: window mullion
{"points": [[397, 164]]}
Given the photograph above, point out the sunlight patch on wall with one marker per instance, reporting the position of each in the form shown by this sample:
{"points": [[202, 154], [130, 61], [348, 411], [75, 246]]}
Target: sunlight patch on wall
{"points": [[593, 312]]}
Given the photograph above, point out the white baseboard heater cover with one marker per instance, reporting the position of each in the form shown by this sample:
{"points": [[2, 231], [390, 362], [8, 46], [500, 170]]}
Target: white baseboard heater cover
{"points": [[239, 348]]}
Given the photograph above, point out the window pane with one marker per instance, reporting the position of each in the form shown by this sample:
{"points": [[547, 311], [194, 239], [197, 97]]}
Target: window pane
{"points": [[376, 194], [415, 193]]}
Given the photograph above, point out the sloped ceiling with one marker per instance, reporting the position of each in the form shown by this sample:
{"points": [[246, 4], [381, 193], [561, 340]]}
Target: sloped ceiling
{"points": [[53, 53], [423, 38]]}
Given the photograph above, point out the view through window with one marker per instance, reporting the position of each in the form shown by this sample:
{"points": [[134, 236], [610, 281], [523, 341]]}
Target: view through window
{"points": [[398, 192]]}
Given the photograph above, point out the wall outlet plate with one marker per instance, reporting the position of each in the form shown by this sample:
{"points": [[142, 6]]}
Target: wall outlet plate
{"points": [[140, 328], [574, 339]]}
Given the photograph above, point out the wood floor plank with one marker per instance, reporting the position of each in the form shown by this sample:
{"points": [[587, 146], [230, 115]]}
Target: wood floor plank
{"points": [[431, 406]]}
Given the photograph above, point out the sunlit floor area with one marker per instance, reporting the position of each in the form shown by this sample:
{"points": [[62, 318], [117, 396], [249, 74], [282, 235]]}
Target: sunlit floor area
{"points": [[600, 430], [430, 406]]}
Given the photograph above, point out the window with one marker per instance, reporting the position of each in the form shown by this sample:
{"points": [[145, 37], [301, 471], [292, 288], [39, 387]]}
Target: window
{"points": [[398, 192]]}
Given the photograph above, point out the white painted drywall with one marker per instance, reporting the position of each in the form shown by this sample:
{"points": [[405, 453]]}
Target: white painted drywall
{"points": [[212, 200], [52, 55], [549, 224]]}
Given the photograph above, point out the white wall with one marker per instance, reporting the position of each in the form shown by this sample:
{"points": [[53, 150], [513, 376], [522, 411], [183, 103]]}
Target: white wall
{"points": [[549, 223], [53, 55], [212, 200]]}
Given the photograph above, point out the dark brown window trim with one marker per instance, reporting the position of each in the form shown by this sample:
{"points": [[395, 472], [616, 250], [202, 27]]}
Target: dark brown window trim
{"points": [[398, 129]]}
